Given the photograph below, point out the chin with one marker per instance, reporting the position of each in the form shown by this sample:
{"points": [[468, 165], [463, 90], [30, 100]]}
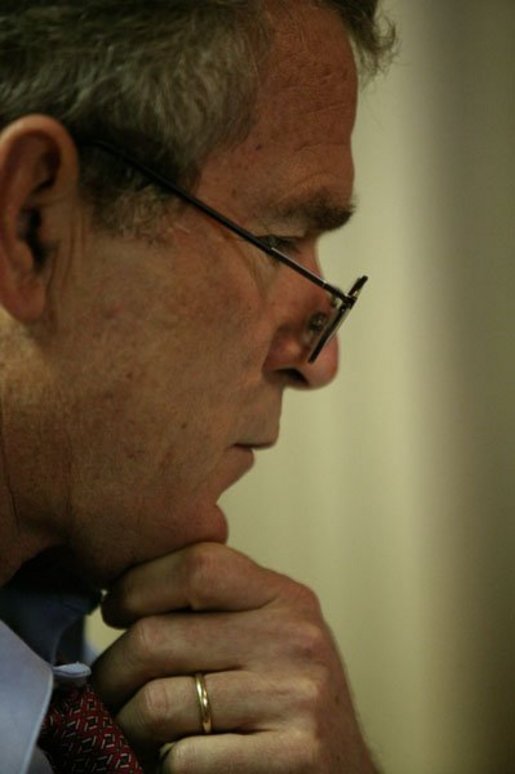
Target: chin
{"points": [[202, 524]]}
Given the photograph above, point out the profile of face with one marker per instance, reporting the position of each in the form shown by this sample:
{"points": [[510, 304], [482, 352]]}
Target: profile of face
{"points": [[170, 359]]}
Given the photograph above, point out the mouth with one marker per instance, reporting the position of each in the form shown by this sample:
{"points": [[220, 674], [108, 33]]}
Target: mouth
{"points": [[246, 452], [258, 446], [240, 459], [246, 455]]}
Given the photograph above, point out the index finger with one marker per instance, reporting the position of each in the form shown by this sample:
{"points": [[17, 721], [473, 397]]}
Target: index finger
{"points": [[204, 576]]}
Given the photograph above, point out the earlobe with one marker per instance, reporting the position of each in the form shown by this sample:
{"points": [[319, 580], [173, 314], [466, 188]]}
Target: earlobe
{"points": [[38, 166]]}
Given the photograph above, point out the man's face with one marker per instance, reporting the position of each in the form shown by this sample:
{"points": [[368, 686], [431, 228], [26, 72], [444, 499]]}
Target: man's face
{"points": [[173, 357]]}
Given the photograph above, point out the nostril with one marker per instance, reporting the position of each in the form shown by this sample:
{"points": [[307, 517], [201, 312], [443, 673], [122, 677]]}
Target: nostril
{"points": [[295, 378]]}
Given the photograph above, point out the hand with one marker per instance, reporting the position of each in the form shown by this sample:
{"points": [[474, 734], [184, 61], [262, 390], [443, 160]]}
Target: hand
{"points": [[279, 698]]}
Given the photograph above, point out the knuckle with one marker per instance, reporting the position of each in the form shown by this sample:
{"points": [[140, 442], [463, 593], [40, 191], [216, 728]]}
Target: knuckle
{"points": [[154, 709], [309, 703], [306, 599], [127, 591], [300, 597], [311, 692], [144, 639], [123, 604], [201, 567], [182, 759], [308, 641]]}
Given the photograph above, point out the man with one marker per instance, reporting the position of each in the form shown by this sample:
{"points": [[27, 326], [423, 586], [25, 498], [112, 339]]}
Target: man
{"points": [[145, 347]]}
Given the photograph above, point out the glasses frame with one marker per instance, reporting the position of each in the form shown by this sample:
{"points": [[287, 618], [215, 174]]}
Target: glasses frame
{"points": [[341, 302]]}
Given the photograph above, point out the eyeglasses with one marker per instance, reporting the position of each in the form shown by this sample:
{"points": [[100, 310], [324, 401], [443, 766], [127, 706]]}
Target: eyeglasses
{"points": [[322, 325]]}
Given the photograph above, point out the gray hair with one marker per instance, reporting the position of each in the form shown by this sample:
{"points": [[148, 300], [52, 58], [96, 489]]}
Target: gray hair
{"points": [[171, 80]]}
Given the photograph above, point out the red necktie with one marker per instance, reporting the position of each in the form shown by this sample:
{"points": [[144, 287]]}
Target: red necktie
{"points": [[80, 736]]}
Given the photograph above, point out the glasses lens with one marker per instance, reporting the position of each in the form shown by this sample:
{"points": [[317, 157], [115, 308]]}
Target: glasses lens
{"points": [[341, 307], [334, 320]]}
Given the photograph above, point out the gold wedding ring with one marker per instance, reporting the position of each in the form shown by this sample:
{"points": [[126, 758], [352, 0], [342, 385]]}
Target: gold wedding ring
{"points": [[205, 717], [203, 703]]}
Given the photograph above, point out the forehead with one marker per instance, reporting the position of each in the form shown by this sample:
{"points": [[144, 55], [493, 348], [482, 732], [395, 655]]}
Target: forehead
{"points": [[300, 145]]}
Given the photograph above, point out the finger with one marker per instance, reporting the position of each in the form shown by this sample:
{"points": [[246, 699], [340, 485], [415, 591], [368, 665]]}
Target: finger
{"points": [[205, 576], [268, 752], [168, 710], [162, 711], [184, 643]]}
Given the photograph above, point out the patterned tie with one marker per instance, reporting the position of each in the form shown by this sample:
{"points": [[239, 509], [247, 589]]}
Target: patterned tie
{"points": [[80, 737]]}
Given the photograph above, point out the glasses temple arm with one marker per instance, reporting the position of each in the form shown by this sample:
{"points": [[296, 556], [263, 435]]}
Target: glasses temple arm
{"points": [[176, 189]]}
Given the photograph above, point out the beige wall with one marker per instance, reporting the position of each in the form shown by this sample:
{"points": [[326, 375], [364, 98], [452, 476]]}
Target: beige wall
{"points": [[392, 491]]}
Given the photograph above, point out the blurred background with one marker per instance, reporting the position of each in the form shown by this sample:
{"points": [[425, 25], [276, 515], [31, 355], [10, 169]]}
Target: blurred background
{"points": [[392, 492]]}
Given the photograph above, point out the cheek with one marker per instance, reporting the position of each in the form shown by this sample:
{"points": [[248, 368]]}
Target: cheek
{"points": [[172, 365], [223, 331], [181, 385]]}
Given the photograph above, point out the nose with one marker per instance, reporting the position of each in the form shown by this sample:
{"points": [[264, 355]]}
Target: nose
{"points": [[324, 369], [297, 303], [288, 358]]}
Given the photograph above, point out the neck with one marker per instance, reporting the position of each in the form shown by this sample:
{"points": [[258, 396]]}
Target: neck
{"points": [[34, 465], [17, 544], [19, 541], [12, 555]]}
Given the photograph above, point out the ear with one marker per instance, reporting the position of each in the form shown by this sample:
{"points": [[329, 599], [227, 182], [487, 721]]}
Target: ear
{"points": [[38, 180]]}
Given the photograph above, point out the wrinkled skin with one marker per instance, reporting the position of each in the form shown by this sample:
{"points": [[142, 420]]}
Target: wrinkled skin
{"points": [[143, 376], [277, 688], [279, 699], [150, 369]]}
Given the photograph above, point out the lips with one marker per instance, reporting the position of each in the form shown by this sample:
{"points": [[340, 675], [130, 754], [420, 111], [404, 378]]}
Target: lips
{"points": [[257, 446], [245, 454], [238, 460]]}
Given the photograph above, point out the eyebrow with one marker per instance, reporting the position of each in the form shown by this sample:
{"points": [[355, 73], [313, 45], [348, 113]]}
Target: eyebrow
{"points": [[317, 215]]}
